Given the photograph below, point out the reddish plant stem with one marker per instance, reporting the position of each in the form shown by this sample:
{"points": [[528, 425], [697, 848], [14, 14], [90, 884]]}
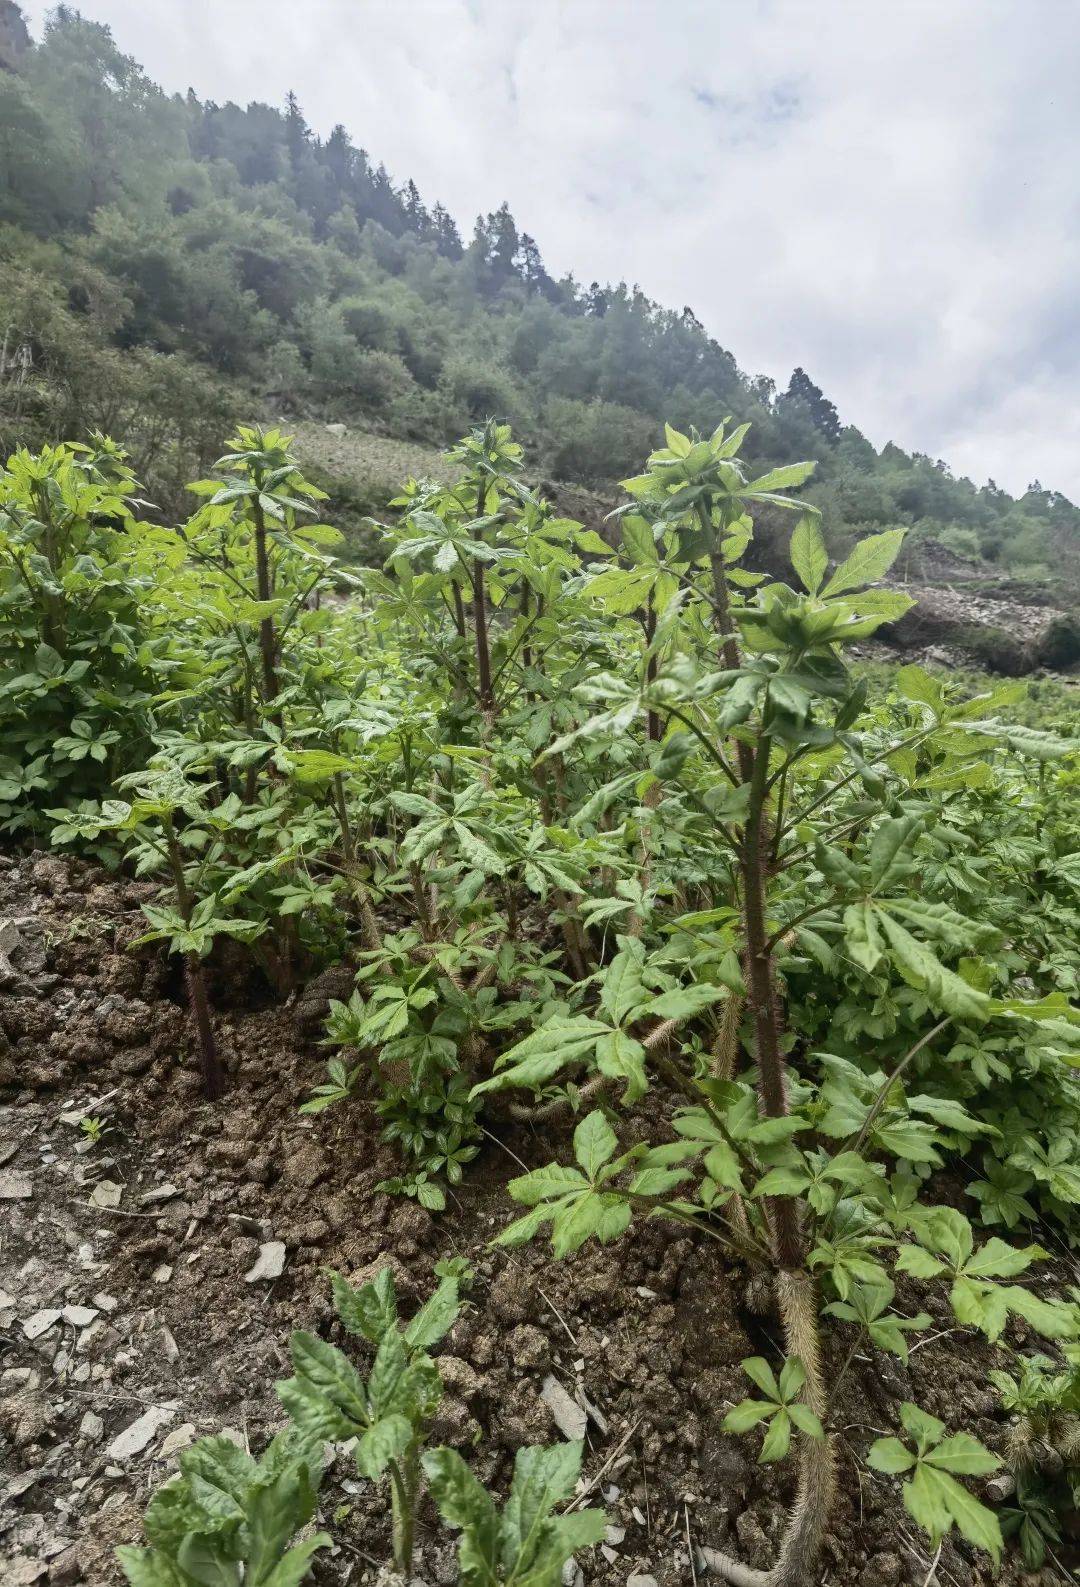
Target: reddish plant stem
{"points": [[267, 641]]}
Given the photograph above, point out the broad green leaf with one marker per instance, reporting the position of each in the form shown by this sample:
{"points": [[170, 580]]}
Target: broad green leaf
{"points": [[809, 557], [923, 1428], [871, 560], [385, 1387], [747, 1414], [620, 1057], [684, 1001], [777, 1440], [435, 1318], [964, 1456], [149, 1567], [862, 938], [543, 1478], [760, 1372], [789, 476], [622, 990], [594, 1143], [543, 1184], [384, 1441], [888, 845], [370, 1310], [926, 1501], [974, 1520], [325, 1369], [295, 1566]]}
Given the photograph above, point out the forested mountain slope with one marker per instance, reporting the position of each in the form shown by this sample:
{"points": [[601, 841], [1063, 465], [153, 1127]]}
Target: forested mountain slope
{"points": [[170, 263]]}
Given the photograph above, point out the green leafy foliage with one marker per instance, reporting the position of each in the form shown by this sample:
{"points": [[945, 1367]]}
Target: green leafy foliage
{"points": [[780, 1410], [525, 1544], [586, 819], [228, 1518], [933, 1496]]}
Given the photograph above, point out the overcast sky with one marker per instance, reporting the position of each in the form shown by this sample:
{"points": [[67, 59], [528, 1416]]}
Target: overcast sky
{"points": [[886, 194]]}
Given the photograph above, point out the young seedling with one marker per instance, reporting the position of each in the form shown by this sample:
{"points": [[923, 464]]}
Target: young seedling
{"points": [[525, 1544], [388, 1412], [228, 1519], [932, 1495]]}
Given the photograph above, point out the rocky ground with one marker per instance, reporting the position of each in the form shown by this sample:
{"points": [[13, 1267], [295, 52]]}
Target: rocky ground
{"points": [[149, 1280]]}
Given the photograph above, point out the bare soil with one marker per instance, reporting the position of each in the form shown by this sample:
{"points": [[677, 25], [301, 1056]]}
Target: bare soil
{"points": [[646, 1336]]}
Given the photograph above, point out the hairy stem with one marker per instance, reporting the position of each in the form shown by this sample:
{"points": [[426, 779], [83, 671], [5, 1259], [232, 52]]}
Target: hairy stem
{"points": [[816, 1488], [267, 640]]}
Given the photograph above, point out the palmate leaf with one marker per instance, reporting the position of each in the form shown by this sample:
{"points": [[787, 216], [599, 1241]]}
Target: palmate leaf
{"points": [[933, 1497]]}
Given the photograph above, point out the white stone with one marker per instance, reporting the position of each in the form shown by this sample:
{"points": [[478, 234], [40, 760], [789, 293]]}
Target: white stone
{"points": [[568, 1415], [179, 1438], [79, 1316], [40, 1323], [106, 1194], [270, 1262], [91, 1427], [135, 1437], [15, 1187]]}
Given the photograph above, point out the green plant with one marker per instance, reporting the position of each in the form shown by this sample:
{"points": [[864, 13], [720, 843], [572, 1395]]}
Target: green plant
{"points": [[389, 1412], [933, 1497], [524, 1545], [93, 1128], [781, 1408], [228, 1519], [820, 815]]}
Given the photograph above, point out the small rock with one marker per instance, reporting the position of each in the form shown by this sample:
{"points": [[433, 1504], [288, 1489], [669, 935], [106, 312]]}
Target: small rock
{"points": [[106, 1302], [179, 1438], [641, 1579], [24, 1572], [270, 1262], [164, 1192], [40, 1323], [14, 1186], [92, 1428], [79, 1316], [106, 1194], [162, 1274], [567, 1414], [135, 1437], [67, 1567]]}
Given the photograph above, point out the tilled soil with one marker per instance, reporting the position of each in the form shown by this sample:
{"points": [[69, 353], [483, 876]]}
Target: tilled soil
{"points": [[126, 1301]]}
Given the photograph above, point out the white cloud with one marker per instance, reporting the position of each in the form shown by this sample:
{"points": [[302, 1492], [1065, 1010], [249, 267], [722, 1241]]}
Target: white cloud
{"points": [[883, 194]]}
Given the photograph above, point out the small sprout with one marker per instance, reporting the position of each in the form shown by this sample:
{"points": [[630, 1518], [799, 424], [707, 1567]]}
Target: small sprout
{"points": [[781, 1408], [93, 1128]]}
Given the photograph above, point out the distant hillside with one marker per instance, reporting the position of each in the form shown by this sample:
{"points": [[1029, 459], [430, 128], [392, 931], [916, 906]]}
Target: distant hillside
{"points": [[169, 263]]}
